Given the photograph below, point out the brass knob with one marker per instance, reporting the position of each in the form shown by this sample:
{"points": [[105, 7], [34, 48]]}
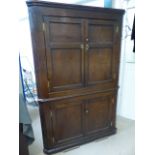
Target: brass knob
{"points": [[82, 46], [87, 47]]}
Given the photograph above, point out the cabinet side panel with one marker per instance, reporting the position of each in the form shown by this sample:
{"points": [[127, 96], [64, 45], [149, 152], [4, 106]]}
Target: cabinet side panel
{"points": [[38, 46], [46, 125]]}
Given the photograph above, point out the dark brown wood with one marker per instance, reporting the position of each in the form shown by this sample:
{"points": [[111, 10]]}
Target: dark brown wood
{"points": [[76, 56], [76, 119], [100, 51], [64, 48], [98, 116]]}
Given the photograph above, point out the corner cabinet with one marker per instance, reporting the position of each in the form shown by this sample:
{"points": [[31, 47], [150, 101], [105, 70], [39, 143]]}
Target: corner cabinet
{"points": [[76, 53]]}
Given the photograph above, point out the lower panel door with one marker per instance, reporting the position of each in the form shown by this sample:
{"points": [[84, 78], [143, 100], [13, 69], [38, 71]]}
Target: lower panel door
{"points": [[67, 121], [98, 112]]}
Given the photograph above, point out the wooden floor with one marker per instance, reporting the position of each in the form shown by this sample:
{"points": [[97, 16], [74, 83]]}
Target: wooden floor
{"points": [[122, 143]]}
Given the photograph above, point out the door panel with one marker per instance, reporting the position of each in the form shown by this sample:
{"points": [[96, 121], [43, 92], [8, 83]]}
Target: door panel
{"points": [[68, 120], [65, 32], [100, 33], [66, 68], [98, 114], [65, 65], [99, 52], [100, 65]]}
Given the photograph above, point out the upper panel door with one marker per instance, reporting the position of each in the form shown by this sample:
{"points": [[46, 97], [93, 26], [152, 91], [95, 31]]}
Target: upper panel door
{"points": [[100, 55], [64, 53]]}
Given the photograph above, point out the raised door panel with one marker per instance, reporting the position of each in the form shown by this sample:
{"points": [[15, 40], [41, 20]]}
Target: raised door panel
{"points": [[64, 37], [100, 65], [100, 57], [66, 68], [100, 32], [65, 30], [68, 121], [98, 114]]}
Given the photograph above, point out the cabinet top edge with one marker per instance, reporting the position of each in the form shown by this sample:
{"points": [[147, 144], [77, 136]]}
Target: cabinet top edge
{"points": [[73, 6]]}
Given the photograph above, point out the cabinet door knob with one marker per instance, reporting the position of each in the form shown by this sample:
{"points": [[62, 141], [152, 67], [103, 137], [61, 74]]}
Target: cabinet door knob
{"points": [[82, 46], [87, 47]]}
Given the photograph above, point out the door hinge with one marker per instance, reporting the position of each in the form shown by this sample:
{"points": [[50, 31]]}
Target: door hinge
{"points": [[113, 100], [117, 29], [51, 114], [114, 76], [43, 26], [53, 139], [48, 84], [111, 123]]}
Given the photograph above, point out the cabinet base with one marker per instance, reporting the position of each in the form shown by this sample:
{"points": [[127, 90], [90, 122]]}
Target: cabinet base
{"points": [[84, 140]]}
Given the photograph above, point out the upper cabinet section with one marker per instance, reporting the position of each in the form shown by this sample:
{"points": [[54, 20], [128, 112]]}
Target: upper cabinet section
{"points": [[79, 53], [76, 48]]}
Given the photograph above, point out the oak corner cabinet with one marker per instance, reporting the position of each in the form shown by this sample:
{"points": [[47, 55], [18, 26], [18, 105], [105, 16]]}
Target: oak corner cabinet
{"points": [[76, 53]]}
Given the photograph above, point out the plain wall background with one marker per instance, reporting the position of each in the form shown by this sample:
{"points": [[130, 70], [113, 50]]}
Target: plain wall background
{"points": [[126, 93]]}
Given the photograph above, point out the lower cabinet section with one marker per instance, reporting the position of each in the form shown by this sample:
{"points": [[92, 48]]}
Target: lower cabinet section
{"points": [[74, 121]]}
